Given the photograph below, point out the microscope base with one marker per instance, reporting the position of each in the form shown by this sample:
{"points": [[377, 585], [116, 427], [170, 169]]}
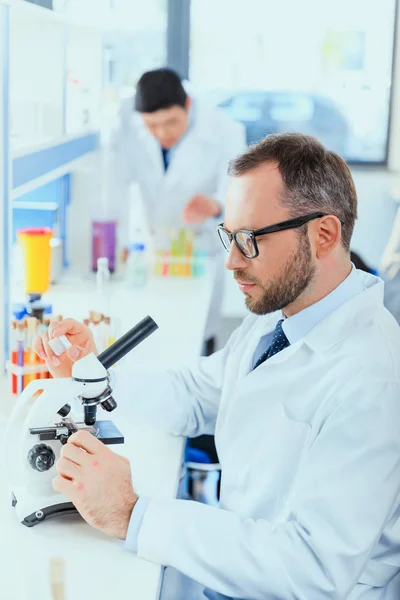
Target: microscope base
{"points": [[30, 516]]}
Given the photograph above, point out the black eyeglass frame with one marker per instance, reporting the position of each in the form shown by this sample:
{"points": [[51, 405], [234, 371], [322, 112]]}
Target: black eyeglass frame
{"points": [[282, 226]]}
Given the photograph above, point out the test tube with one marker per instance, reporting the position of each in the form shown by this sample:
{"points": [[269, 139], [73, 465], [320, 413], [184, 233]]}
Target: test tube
{"points": [[30, 355], [166, 264], [55, 318], [181, 253], [113, 333], [158, 265], [14, 355], [189, 254], [106, 332], [27, 353], [42, 328], [95, 320], [20, 353], [181, 242]]}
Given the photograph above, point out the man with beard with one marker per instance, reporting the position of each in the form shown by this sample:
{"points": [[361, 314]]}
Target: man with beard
{"points": [[304, 401]]}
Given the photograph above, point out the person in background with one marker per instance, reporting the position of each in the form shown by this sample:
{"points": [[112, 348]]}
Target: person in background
{"points": [[390, 269], [304, 400], [177, 150]]}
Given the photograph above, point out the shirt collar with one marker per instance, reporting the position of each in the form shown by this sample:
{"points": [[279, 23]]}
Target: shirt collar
{"points": [[300, 324]]}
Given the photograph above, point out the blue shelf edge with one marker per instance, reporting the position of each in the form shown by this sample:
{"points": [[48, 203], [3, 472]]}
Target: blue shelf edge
{"points": [[33, 165]]}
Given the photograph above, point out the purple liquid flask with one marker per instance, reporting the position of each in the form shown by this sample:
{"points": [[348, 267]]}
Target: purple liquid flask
{"points": [[104, 242]]}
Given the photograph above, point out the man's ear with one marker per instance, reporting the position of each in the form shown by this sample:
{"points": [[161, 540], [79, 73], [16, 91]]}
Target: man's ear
{"points": [[328, 234], [188, 103]]}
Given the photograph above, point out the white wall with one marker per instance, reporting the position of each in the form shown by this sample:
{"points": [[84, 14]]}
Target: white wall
{"points": [[84, 79], [85, 191], [37, 70]]}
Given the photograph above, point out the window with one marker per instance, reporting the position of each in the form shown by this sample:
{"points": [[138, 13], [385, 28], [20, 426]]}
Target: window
{"points": [[136, 44], [103, 68], [315, 67]]}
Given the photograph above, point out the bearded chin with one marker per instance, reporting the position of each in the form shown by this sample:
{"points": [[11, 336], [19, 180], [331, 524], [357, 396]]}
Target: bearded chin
{"points": [[296, 277]]}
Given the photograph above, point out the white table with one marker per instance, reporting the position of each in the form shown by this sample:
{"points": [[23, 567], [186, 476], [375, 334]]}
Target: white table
{"points": [[97, 566]]}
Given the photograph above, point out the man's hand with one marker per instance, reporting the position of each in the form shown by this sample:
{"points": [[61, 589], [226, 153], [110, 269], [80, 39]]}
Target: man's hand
{"points": [[80, 337], [200, 208], [98, 482]]}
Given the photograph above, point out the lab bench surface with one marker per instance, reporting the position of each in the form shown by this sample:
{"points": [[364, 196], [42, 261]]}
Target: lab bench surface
{"points": [[97, 566]]}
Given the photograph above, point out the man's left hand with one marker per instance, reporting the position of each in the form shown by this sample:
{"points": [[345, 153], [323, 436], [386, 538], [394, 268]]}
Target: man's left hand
{"points": [[200, 208], [98, 482]]}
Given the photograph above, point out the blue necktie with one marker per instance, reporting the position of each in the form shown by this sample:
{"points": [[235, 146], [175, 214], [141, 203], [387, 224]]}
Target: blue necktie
{"points": [[165, 155], [279, 342]]}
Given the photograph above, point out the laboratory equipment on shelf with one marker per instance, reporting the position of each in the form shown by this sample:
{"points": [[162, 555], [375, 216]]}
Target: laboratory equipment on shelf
{"points": [[177, 255], [104, 242], [35, 243], [136, 272], [24, 365], [103, 292], [37, 430]]}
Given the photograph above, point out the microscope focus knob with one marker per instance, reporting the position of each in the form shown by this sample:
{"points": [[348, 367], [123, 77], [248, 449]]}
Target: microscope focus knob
{"points": [[41, 457], [64, 410]]}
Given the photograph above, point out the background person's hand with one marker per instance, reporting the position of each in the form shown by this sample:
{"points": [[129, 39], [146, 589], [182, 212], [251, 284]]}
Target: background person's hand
{"points": [[80, 337], [200, 208]]}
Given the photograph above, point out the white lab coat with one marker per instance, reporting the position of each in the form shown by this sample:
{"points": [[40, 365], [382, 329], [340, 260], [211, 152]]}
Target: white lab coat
{"points": [[390, 269], [309, 445], [198, 165]]}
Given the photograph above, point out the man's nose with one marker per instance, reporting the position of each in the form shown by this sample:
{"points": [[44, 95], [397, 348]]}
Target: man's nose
{"points": [[160, 132], [235, 259]]}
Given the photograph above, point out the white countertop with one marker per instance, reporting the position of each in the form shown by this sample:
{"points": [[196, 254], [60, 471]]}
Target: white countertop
{"points": [[97, 566]]}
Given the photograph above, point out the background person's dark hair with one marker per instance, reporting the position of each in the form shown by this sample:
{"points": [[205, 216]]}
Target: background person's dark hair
{"points": [[159, 89], [315, 179]]}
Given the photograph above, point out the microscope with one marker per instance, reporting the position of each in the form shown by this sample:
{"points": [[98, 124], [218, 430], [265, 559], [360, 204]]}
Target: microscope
{"points": [[41, 424]]}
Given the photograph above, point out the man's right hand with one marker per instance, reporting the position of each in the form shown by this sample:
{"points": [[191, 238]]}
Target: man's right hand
{"points": [[80, 337]]}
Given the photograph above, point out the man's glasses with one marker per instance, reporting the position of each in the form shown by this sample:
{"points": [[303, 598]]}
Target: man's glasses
{"points": [[245, 239]]}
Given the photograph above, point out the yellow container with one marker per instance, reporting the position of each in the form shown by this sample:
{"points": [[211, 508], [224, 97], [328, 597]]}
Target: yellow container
{"points": [[35, 242]]}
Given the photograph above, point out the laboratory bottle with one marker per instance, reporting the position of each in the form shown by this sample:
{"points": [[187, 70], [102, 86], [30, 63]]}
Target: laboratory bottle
{"points": [[136, 266], [103, 285]]}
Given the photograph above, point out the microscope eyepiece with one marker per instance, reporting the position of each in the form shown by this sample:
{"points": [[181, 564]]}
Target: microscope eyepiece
{"points": [[127, 342], [108, 358]]}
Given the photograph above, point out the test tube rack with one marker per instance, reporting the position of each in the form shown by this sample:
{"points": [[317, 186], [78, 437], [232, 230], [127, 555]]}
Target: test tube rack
{"points": [[179, 257], [24, 366]]}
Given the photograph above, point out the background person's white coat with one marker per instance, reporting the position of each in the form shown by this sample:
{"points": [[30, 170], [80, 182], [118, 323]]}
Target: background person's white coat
{"points": [[391, 270], [198, 165]]}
